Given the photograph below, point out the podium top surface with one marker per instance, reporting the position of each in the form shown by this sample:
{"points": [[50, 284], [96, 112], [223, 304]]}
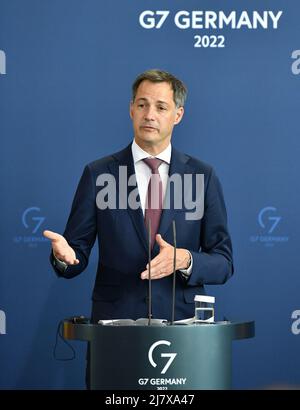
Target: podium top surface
{"points": [[84, 330]]}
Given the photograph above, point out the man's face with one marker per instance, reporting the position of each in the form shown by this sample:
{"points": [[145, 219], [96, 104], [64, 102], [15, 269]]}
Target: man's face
{"points": [[154, 114]]}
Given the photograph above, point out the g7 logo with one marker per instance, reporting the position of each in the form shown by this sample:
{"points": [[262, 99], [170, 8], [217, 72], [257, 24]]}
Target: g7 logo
{"points": [[170, 355], [38, 219], [274, 219]]}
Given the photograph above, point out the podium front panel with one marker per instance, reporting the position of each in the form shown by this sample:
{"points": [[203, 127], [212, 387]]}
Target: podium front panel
{"points": [[180, 357]]}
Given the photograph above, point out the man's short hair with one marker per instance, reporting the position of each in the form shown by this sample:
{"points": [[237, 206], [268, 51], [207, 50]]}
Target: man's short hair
{"points": [[159, 76]]}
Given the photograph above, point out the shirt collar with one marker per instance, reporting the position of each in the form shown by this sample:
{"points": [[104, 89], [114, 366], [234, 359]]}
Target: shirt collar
{"points": [[139, 154]]}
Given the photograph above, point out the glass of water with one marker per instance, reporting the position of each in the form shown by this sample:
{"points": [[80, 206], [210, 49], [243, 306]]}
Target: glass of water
{"points": [[204, 308]]}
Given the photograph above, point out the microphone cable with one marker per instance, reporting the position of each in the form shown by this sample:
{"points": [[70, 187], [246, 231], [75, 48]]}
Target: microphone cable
{"points": [[59, 333]]}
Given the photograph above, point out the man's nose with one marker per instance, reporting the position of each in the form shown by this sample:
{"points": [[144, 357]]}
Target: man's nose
{"points": [[150, 113]]}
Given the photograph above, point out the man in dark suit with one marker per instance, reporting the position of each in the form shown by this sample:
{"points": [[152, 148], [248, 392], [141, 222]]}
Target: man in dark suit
{"points": [[116, 209]]}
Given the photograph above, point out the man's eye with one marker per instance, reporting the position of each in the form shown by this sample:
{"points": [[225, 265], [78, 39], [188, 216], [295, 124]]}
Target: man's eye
{"points": [[141, 105], [162, 108]]}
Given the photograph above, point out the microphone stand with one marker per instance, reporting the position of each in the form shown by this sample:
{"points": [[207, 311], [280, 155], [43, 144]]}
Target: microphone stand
{"points": [[149, 275], [174, 274]]}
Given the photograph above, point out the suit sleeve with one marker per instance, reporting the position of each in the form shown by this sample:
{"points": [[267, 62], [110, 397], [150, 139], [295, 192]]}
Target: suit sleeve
{"points": [[213, 264], [81, 228]]}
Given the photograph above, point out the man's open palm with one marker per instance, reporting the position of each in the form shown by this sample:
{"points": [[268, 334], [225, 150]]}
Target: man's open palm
{"points": [[61, 249]]}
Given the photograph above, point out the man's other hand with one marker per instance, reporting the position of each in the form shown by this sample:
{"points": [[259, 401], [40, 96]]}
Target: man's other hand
{"points": [[162, 264], [61, 249]]}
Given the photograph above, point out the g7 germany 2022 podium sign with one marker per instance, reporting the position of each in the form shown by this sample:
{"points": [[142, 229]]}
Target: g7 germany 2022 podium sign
{"points": [[132, 356]]}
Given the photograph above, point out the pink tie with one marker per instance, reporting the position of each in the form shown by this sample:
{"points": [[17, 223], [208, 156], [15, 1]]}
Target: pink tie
{"points": [[154, 198]]}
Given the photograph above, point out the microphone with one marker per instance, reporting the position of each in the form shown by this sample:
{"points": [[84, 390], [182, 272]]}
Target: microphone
{"points": [[149, 275], [174, 273]]}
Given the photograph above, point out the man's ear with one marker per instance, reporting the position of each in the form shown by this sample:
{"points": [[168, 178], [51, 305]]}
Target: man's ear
{"points": [[179, 115], [130, 109]]}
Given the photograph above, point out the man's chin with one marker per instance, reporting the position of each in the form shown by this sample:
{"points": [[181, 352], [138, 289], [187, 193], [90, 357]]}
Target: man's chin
{"points": [[150, 142], [148, 137]]}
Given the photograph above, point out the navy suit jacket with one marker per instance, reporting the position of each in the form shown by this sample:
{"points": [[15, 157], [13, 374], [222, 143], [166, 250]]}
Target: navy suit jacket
{"points": [[122, 241]]}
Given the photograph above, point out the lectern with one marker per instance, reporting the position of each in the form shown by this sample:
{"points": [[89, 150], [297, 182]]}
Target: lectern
{"points": [[132, 356]]}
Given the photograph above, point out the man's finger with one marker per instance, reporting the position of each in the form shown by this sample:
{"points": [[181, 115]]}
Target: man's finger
{"points": [[157, 272], [154, 261], [157, 268], [53, 236], [160, 241], [72, 261], [144, 275]]}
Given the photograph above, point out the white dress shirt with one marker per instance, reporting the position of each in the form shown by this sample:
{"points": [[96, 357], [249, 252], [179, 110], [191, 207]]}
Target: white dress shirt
{"points": [[143, 171]]}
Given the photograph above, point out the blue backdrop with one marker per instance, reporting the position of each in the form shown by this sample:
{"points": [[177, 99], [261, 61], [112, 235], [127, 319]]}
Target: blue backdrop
{"points": [[66, 69]]}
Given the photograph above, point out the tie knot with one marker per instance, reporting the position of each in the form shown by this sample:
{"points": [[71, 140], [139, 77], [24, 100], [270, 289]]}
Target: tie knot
{"points": [[153, 163]]}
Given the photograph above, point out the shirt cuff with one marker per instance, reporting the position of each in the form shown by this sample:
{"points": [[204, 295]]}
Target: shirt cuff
{"points": [[187, 272], [60, 265]]}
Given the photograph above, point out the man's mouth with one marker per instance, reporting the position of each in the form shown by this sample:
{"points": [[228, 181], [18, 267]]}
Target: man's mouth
{"points": [[148, 127]]}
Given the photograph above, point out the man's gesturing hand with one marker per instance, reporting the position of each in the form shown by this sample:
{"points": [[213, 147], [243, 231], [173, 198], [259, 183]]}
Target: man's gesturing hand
{"points": [[162, 264], [61, 249]]}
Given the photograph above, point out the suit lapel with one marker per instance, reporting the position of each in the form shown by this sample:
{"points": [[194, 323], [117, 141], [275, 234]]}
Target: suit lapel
{"points": [[124, 158]]}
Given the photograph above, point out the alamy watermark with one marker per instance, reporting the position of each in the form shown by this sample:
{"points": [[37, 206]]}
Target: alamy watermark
{"points": [[296, 64], [2, 323], [183, 192], [2, 62], [295, 328]]}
